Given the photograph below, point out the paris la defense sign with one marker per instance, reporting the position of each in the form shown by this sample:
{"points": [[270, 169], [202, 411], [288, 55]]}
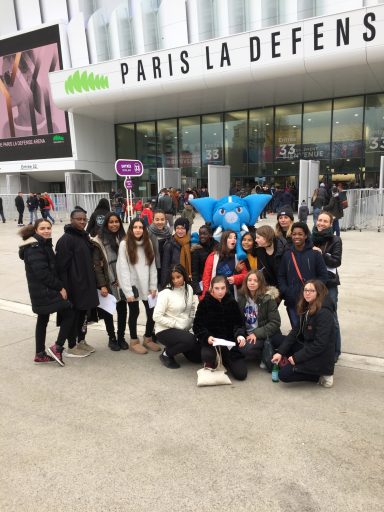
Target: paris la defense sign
{"points": [[305, 48]]}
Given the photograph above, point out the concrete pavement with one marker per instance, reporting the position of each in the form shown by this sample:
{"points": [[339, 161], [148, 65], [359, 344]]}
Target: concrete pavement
{"points": [[119, 432]]}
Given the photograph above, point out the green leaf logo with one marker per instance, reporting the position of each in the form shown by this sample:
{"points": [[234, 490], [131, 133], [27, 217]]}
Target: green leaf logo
{"points": [[84, 82]]}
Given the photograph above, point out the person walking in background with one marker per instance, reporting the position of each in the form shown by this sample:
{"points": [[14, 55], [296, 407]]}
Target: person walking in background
{"points": [[2, 210], [32, 205], [303, 212], [76, 271], [335, 208], [147, 214], [19, 203], [165, 203], [319, 199], [188, 213], [48, 206], [137, 277], [97, 218], [107, 242], [47, 292]]}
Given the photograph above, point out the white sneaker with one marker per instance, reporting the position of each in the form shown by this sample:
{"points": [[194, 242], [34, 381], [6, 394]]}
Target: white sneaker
{"points": [[326, 381], [262, 366]]}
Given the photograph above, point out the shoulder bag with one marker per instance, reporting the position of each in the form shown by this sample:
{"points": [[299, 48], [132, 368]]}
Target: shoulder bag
{"points": [[213, 376]]}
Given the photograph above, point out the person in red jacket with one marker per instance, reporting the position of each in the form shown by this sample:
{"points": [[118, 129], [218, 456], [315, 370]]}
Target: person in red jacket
{"points": [[138, 207], [222, 262], [147, 214]]}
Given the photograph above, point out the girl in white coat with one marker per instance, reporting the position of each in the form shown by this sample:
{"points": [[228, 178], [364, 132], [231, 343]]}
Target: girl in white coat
{"points": [[137, 277], [173, 316]]}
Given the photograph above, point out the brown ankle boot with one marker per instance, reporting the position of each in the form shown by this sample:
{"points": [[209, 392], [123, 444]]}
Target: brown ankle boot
{"points": [[136, 347], [151, 345]]}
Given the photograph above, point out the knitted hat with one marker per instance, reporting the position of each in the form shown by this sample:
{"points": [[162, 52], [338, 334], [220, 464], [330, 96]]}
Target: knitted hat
{"points": [[181, 221], [286, 210]]}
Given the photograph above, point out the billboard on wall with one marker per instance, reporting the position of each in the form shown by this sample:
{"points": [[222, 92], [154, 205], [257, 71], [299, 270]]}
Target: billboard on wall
{"points": [[31, 126]]}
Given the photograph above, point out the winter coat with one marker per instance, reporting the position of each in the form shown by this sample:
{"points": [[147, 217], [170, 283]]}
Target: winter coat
{"points": [[96, 221], [171, 256], [317, 335], [165, 203], [270, 265], [268, 319], [311, 266], [200, 254], [172, 311], [19, 203], [218, 319], [210, 272], [75, 268], [334, 207], [332, 250], [32, 203], [44, 284], [139, 274]]}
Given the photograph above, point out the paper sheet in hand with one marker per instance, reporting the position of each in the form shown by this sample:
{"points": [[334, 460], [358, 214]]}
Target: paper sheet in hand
{"points": [[223, 343], [107, 303], [152, 301]]}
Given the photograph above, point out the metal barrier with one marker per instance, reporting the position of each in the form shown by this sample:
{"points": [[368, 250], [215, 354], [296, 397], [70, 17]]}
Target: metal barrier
{"points": [[63, 205], [365, 210]]}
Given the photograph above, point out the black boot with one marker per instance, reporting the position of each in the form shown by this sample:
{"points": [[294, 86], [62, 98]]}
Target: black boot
{"points": [[123, 344], [113, 344]]}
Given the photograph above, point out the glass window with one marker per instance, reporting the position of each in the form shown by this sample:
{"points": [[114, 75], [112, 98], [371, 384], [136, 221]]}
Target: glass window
{"points": [[317, 120], [374, 131], [147, 149], [260, 142], [189, 147], [167, 143], [236, 134], [125, 141], [347, 133], [212, 141], [288, 133]]}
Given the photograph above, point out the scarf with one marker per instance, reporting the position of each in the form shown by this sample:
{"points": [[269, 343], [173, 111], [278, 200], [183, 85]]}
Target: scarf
{"points": [[156, 235], [321, 237], [185, 253]]}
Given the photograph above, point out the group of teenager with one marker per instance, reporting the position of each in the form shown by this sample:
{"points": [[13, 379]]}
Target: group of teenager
{"points": [[201, 290]]}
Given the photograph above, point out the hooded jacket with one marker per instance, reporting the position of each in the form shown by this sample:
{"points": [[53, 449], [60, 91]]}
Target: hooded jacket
{"points": [[268, 319], [311, 266], [316, 336], [75, 268], [44, 284], [332, 250]]}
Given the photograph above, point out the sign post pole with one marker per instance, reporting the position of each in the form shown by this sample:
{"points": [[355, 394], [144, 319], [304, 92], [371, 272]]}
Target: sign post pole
{"points": [[129, 169]]}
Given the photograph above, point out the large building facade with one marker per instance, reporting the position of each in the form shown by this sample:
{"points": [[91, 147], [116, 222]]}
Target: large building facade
{"points": [[254, 84]]}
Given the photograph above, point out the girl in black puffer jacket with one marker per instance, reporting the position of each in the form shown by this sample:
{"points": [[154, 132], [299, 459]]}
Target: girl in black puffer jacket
{"points": [[45, 288]]}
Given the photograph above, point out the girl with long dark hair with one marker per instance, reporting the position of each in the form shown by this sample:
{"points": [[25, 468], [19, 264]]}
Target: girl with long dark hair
{"points": [[105, 254], [310, 347], [137, 277], [46, 290], [173, 316]]}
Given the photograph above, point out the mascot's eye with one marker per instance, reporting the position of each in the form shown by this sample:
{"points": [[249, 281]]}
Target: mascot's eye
{"points": [[221, 211], [239, 209]]}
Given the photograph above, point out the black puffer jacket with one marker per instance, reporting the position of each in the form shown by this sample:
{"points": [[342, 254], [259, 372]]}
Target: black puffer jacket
{"points": [[332, 251], [44, 284], [270, 264], [199, 254], [75, 268], [219, 319], [316, 334]]}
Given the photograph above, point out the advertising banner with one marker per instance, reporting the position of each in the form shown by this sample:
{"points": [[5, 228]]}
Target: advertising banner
{"points": [[31, 126]]}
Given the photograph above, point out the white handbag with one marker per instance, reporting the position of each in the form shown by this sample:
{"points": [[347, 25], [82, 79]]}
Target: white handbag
{"points": [[213, 376]]}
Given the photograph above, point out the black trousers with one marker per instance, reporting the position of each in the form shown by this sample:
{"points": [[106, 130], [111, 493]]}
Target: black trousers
{"points": [[2, 214], [178, 341], [20, 219], [288, 373], [78, 328], [121, 309], [134, 311], [233, 360], [41, 329]]}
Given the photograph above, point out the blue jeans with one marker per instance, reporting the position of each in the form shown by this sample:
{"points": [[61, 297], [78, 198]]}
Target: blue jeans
{"points": [[316, 213], [32, 216], [334, 293], [336, 227]]}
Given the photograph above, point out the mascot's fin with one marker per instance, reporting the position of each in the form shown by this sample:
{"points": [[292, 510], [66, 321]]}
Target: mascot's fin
{"points": [[256, 203], [205, 206]]}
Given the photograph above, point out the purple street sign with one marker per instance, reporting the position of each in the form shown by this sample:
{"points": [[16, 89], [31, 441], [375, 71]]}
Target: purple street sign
{"points": [[129, 167], [128, 183]]}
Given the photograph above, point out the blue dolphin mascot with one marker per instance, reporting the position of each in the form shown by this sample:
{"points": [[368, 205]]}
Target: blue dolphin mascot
{"points": [[233, 213]]}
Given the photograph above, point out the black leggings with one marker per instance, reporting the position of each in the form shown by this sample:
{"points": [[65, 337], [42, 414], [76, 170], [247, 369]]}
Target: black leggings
{"points": [[121, 309], [41, 329], [134, 311], [233, 360], [178, 341]]}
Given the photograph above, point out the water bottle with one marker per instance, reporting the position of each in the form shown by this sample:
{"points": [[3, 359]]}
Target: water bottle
{"points": [[275, 373]]}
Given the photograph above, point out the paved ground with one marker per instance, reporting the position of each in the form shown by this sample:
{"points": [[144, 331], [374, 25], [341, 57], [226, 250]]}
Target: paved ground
{"points": [[119, 432]]}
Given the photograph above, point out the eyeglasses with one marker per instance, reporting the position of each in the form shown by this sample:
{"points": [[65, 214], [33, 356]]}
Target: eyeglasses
{"points": [[309, 290]]}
